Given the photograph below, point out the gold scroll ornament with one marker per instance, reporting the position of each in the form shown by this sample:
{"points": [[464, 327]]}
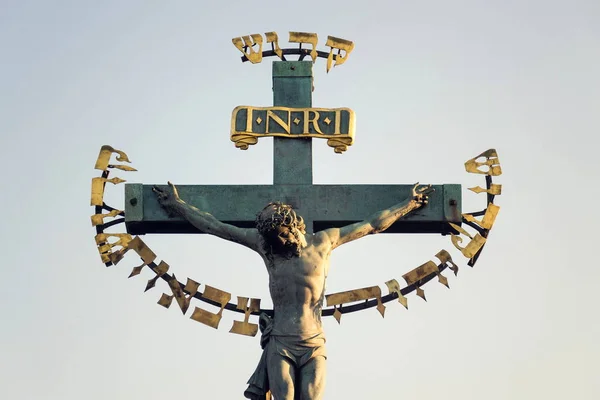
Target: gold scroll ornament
{"points": [[337, 299], [206, 317], [245, 327]]}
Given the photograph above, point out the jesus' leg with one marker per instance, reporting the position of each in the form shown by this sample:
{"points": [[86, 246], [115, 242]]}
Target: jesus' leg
{"points": [[312, 379], [281, 377]]}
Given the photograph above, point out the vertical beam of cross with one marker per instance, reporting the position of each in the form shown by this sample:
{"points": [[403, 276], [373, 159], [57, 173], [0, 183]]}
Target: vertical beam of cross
{"points": [[292, 87]]}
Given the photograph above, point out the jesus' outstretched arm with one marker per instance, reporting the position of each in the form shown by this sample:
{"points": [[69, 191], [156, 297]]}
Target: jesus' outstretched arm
{"points": [[205, 222], [379, 221]]}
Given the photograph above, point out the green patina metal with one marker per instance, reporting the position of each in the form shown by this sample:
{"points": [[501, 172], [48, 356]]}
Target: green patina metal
{"points": [[322, 206]]}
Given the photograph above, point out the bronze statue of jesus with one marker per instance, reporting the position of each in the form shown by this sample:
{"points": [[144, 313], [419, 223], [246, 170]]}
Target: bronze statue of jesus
{"points": [[292, 365]]}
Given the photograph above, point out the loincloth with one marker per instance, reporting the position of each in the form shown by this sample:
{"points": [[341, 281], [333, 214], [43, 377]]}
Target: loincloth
{"points": [[298, 349]]}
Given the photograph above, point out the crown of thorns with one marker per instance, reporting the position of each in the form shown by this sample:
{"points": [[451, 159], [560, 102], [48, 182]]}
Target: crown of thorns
{"points": [[281, 215]]}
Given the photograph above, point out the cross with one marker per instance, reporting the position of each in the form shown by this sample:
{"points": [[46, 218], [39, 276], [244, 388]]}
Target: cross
{"points": [[321, 206]]}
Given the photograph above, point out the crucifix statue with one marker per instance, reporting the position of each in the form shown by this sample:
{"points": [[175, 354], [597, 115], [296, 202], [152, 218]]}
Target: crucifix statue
{"points": [[293, 362], [293, 224], [296, 257]]}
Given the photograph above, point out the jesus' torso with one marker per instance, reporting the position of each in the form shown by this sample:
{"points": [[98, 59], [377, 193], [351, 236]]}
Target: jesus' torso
{"points": [[297, 287]]}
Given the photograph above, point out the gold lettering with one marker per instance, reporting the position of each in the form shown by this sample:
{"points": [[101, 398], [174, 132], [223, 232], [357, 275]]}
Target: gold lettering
{"points": [[308, 38], [97, 198], [104, 158], [105, 247], [488, 219], [472, 247], [143, 251], [394, 287], [245, 44], [338, 122], [245, 327], [160, 270], [491, 162], [421, 272], [274, 40], [445, 258], [272, 116], [98, 219], [494, 189], [350, 296], [206, 317], [314, 121], [341, 45]]}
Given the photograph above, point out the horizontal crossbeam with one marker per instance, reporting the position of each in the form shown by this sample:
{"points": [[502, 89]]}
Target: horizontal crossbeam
{"points": [[321, 206]]}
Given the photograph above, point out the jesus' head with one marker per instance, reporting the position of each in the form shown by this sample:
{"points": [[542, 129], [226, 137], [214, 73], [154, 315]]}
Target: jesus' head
{"points": [[282, 229]]}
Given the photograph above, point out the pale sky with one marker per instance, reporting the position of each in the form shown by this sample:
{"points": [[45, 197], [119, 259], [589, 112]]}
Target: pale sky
{"points": [[433, 83]]}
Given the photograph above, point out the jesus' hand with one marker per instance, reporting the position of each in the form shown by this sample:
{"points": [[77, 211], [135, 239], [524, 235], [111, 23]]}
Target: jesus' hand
{"points": [[421, 194], [168, 199]]}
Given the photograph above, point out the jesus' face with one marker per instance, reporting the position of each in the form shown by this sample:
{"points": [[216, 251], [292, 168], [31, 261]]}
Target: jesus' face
{"points": [[282, 229]]}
